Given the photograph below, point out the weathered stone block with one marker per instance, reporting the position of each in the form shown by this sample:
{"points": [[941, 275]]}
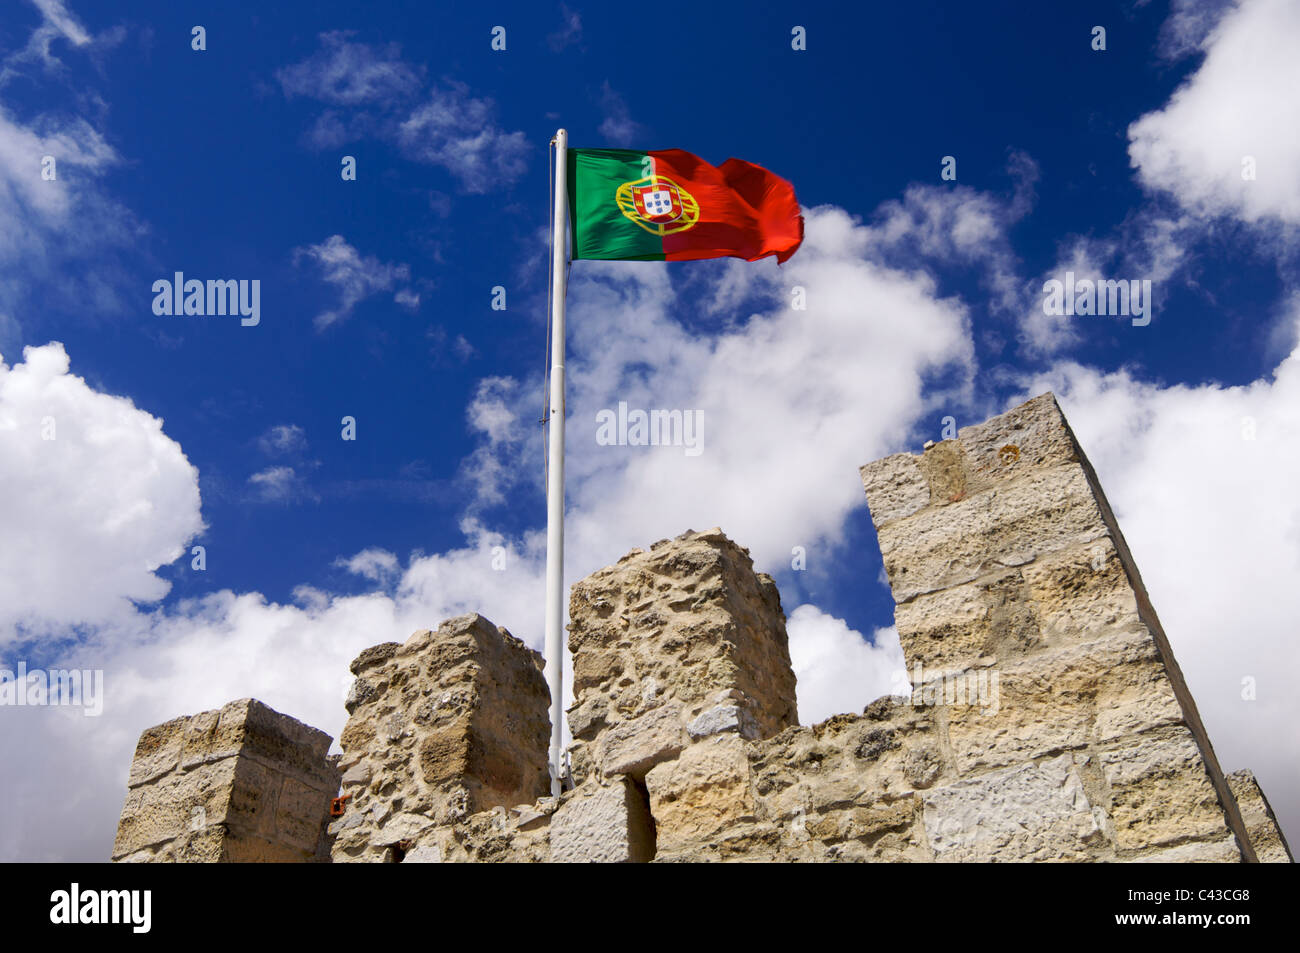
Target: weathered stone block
{"points": [[603, 824], [896, 488], [1011, 525], [705, 790], [157, 752], [636, 745], [240, 783], [1032, 436], [1160, 792], [452, 723], [1265, 834], [1062, 700], [667, 635], [1029, 812]]}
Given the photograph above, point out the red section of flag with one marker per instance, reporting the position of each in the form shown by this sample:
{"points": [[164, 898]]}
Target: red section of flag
{"points": [[745, 210]]}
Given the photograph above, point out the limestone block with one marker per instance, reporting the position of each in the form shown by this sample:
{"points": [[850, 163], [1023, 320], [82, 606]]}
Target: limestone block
{"points": [[1009, 525], [1081, 593], [423, 855], [883, 830], [1036, 429], [895, 487], [168, 807], [1058, 701], [242, 783], [705, 790], [157, 752], [1262, 827], [723, 718], [636, 745], [1161, 791], [603, 824], [1030, 812], [1221, 851], [253, 730]]}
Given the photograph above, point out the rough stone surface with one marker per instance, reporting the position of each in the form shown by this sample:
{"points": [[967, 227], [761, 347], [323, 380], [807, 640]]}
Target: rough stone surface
{"points": [[1016, 568], [452, 723], [243, 783], [603, 824], [1265, 835], [665, 636]]}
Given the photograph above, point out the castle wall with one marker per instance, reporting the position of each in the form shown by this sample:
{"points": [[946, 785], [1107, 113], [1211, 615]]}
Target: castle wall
{"points": [[1048, 720], [1004, 557]]}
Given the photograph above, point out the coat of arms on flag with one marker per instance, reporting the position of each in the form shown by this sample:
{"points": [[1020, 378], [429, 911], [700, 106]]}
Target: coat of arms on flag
{"points": [[658, 204]]}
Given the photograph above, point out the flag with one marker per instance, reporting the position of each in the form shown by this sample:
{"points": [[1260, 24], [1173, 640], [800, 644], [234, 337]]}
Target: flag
{"points": [[669, 205]]}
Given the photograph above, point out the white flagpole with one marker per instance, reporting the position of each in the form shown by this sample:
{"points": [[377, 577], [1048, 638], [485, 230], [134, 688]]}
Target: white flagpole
{"points": [[555, 466]]}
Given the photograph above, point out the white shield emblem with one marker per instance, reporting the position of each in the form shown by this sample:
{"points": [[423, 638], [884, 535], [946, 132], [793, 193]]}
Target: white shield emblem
{"points": [[658, 202]]}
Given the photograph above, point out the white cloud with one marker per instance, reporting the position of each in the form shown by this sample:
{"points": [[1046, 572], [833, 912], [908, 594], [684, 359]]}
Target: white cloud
{"points": [[356, 277], [793, 401], [224, 646], [377, 565], [40, 212], [59, 238], [283, 439], [1240, 102], [457, 131], [90, 514], [838, 670], [370, 90], [350, 74], [1043, 334], [618, 126], [279, 484], [570, 31], [56, 15], [57, 22], [1188, 24], [497, 412]]}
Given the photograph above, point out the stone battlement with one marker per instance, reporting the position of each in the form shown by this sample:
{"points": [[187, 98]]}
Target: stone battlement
{"points": [[1049, 720]]}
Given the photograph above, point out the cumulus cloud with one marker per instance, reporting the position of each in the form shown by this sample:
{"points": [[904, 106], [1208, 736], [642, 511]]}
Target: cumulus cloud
{"points": [[94, 498], [377, 565], [356, 276], [838, 383], [1239, 104], [838, 670]]}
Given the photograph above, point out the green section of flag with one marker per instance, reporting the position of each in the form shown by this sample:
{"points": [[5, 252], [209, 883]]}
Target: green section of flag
{"points": [[600, 229]]}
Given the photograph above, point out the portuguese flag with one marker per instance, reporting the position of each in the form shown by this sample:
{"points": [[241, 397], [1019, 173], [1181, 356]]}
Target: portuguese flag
{"points": [[669, 205]]}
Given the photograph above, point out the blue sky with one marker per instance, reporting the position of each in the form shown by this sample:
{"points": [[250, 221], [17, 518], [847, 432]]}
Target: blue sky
{"points": [[925, 302]]}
